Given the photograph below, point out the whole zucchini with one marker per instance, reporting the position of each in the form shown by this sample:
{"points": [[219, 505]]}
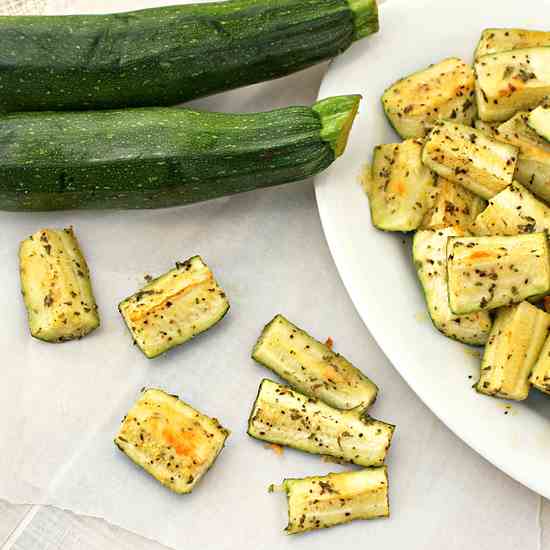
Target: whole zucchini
{"points": [[162, 156], [164, 56]]}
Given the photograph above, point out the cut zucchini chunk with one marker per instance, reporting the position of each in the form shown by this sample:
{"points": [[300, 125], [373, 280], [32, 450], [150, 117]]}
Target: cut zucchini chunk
{"points": [[174, 307], [503, 40], [539, 121], [454, 206], [515, 343], [508, 82], [512, 212], [469, 157], [56, 287], [402, 188], [170, 440], [429, 254], [324, 501], [533, 168], [540, 376], [488, 128], [312, 367], [490, 272], [283, 416], [442, 91]]}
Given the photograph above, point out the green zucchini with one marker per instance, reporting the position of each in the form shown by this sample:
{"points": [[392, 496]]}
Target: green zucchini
{"points": [[540, 376], [490, 272], [312, 367], [429, 254], [514, 346], [170, 440], [175, 307], [503, 40], [158, 157], [164, 56], [283, 416], [324, 501], [539, 121], [56, 286]]}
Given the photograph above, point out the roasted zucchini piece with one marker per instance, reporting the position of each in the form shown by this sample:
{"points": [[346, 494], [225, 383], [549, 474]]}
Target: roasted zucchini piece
{"points": [[503, 40], [283, 416], [401, 189], [533, 168], [429, 254], [312, 367], [324, 501], [515, 343], [173, 308], [488, 128], [512, 212], [442, 91], [539, 121], [540, 376], [508, 82], [469, 157], [56, 287], [490, 272], [170, 440]]}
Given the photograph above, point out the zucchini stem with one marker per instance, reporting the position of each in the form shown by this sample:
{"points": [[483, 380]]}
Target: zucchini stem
{"points": [[365, 17], [337, 115]]}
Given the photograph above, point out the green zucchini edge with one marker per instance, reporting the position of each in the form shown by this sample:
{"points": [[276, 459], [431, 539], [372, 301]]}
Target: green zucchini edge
{"points": [[365, 18]]}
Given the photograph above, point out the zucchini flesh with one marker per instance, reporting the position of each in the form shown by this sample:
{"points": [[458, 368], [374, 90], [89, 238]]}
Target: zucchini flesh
{"points": [[158, 157], [56, 286], [429, 254], [286, 417], [502, 40], [515, 344], [324, 501], [508, 82], [175, 307], [512, 212], [540, 376], [442, 91], [168, 55], [170, 440], [489, 272], [401, 189], [488, 128], [312, 367], [533, 170], [539, 121], [468, 156]]}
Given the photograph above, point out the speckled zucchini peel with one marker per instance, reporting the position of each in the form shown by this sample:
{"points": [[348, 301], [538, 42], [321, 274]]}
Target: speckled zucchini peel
{"points": [[170, 440], [56, 286], [175, 307]]}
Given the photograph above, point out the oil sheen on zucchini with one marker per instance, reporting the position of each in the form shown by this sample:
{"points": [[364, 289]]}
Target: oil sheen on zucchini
{"points": [[503, 40], [441, 91], [158, 157], [168, 55], [324, 501], [515, 343], [312, 367], [540, 376], [173, 308], [170, 440], [468, 156], [490, 272], [56, 287], [539, 121], [429, 254], [283, 416]]}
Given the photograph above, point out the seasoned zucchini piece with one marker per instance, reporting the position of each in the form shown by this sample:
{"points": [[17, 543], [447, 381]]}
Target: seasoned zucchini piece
{"points": [[533, 168], [454, 206], [539, 121], [56, 287], [489, 272], [504, 40], [312, 367], [540, 376], [173, 308], [170, 440], [508, 82], [283, 416], [488, 128], [469, 157], [429, 254], [401, 189], [324, 501], [442, 91], [515, 344], [512, 212]]}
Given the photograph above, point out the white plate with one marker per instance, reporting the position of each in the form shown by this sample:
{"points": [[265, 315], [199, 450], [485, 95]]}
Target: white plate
{"points": [[376, 267]]}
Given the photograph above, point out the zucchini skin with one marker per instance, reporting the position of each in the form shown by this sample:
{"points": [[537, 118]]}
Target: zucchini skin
{"points": [[168, 55]]}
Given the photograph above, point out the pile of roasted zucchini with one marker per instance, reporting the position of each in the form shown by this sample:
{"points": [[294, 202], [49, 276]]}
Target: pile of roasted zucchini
{"points": [[472, 179]]}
